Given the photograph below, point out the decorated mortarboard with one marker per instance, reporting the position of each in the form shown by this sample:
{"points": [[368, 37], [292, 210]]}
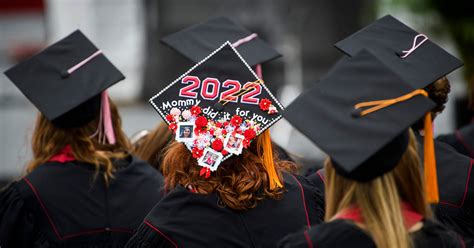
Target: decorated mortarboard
{"points": [[359, 114], [217, 107], [197, 41], [67, 82], [417, 59]]}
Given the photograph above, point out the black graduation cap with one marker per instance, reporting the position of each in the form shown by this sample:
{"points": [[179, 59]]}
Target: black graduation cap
{"points": [[64, 81], [361, 146], [417, 59], [217, 107], [197, 41]]}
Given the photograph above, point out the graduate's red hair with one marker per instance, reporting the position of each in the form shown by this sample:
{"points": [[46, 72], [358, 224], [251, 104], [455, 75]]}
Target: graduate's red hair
{"points": [[48, 140], [241, 182]]}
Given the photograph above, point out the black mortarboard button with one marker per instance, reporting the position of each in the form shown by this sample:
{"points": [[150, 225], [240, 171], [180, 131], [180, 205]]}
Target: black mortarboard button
{"points": [[390, 40], [373, 143], [67, 76], [64, 74], [356, 112], [217, 107], [199, 40]]}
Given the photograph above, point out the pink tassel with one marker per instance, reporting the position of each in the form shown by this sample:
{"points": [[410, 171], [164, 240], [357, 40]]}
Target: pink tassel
{"points": [[258, 67], [258, 70], [415, 45], [83, 62], [107, 118], [244, 40]]}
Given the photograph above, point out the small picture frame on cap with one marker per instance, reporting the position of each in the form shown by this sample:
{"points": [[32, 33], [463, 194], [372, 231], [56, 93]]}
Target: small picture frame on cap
{"points": [[185, 132], [211, 159], [234, 143]]}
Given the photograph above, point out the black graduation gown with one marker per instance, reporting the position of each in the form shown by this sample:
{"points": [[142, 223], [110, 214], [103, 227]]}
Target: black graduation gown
{"points": [[61, 205], [282, 153], [317, 179], [462, 140], [185, 219], [344, 233], [456, 190]]}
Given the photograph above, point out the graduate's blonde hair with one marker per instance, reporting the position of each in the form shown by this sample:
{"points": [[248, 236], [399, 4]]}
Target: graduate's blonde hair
{"points": [[379, 200], [48, 140]]}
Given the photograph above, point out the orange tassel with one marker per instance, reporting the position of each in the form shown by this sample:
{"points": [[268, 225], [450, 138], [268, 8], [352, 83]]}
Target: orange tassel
{"points": [[431, 178], [268, 160]]}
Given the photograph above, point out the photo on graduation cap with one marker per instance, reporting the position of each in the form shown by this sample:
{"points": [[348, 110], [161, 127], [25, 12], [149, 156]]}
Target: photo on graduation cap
{"points": [[234, 143], [217, 107], [185, 132], [211, 159]]}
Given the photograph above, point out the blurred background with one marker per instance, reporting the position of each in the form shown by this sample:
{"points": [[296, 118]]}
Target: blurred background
{"points": [[128, 31]]}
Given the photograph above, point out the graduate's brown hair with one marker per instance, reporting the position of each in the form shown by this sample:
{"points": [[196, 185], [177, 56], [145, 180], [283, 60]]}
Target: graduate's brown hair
{"points": [[438, 92], [241, 182], [379, 200], [151, 147], [49, 139]]}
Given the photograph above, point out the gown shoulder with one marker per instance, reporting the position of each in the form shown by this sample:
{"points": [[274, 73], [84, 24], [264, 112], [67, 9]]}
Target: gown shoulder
{"points": [[16, 220], [186, 218], [344, 233]]}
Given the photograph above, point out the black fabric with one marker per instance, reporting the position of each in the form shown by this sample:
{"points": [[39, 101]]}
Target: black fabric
{"points": [[457, 219], [281, 152], [388, 37], [344, 233], [196, 220], [326, 115], [224, 64], [456, 190], [318, 179], [462, 140], [453, 171], [80, 115], [388, 156], [62, 205], [44, 80], [199, 40]]}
